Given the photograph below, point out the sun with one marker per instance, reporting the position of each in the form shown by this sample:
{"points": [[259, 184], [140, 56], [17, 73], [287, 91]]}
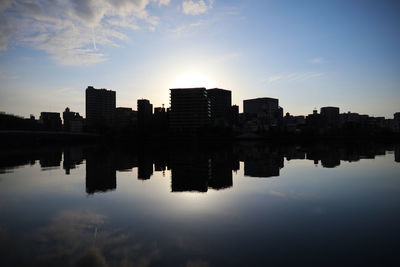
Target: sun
{"points": [[191, 79]]}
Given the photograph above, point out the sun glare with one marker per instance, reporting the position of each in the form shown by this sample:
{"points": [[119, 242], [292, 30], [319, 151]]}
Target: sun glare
{"points": [[192, 79]]}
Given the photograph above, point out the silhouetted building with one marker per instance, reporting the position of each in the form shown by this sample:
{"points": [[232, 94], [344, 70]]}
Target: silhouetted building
{"points": [[145, 113], [190, 108], [160, 119], [100, 108], [265, 109], [12, 122], [235, 113], [51, 121], [220, 103], [330, 116], [396, 116], [73, 122], [124, 117]]}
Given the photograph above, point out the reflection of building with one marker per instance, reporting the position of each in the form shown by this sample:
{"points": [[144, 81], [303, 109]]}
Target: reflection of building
{"points": [[220, 103], [50, 120], [221, 172], [72, 156], [145, 167], [329, 156], [50, 159], [100, 107], [189, 172], [190, 108], [100, 172], [397, 153], [260, 160], [261, 168]]}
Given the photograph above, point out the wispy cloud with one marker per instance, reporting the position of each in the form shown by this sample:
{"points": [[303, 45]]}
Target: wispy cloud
{"points": [[294, 77], [73, 31], [192, 7], [6, 75], [317, 60]]}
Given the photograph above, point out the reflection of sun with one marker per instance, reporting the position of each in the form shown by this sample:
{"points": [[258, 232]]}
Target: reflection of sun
{"points": [[191, 79]]}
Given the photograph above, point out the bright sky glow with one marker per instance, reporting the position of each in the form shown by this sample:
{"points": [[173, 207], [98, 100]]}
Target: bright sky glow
{"points": [[306, 53]]}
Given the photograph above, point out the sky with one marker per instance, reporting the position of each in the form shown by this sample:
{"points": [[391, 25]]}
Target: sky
{"points": [[308, 54]]}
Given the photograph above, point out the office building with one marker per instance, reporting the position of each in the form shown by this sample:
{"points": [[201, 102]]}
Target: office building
{"points": [[124, 117], [266, 109], [220, 103], [73, 122], [51, 121], [330, 116], [100, 107], [144, 113], [190, 108]]}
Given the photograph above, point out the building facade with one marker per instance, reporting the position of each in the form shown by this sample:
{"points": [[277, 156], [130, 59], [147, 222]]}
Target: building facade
{"points": [[220, 103], [100, 107], [190, 108], [266, 109], [50, 121], [144, 113]]}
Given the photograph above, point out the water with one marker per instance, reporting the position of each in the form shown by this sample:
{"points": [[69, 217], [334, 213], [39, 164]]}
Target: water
{"points": [[249, 204]]}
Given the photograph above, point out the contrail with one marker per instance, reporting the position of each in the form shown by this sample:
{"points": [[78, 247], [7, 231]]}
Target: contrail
{"points": [[94, 39]]}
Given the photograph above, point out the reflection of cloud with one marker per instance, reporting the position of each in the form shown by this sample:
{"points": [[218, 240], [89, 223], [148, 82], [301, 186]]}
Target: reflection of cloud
{"points": [[294, 195], [72, 31], [193, 7], [81, 237], [92, 257], [197, 263]]}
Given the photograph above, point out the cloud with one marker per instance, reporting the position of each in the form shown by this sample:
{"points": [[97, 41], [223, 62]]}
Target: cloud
{"points": [[192, 7], [294, 77], [164, 2], [317, 60], [74, 32]]}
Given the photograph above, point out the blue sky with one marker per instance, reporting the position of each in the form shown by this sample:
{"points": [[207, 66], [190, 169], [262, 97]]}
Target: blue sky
{"points": [[308, 54]]}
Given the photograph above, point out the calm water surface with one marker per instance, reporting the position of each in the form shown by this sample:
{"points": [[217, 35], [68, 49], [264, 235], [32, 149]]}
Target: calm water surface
{"points": [[249, 204]]}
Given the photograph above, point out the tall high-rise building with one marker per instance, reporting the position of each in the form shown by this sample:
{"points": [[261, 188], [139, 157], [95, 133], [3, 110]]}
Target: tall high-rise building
{"points": [[144, 113], [100, 107], [190, 108], [220, 103]]}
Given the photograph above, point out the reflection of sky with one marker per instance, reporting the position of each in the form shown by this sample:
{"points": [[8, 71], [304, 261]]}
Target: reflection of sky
{"points": [[306, 212]]}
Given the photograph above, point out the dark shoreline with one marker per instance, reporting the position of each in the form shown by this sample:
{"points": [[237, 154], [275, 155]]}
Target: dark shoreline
{"points": [[38, 138]]}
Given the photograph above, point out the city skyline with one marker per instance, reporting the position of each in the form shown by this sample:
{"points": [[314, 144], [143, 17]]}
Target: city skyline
{"points": [[307, 55]]}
